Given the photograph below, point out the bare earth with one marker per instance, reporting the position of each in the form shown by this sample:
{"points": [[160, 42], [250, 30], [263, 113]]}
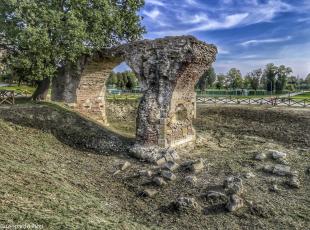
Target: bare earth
{"points": [[45, 181]]}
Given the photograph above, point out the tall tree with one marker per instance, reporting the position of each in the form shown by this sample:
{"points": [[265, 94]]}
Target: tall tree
{"points": [[270, 73], [42, 35], [207, 79], [254, 78], [220, 82], [234, 78], [283, 73]]}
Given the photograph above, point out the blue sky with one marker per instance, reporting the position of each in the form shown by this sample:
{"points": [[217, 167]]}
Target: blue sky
{"points": [[249, 34]]}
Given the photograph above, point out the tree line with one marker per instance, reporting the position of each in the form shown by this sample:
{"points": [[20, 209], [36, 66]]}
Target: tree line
{"points": [[272, 78], [123, 80]]}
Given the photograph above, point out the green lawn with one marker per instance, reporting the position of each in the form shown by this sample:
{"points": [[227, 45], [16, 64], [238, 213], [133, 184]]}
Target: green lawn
{"points": [[305, 95], [22, 88]]}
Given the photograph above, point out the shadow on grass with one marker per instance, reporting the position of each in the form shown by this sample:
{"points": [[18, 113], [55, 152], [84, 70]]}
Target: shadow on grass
{"points": [[67, 126]]}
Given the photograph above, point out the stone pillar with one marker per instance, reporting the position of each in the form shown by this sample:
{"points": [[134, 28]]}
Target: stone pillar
{"points": [[168, 70]]}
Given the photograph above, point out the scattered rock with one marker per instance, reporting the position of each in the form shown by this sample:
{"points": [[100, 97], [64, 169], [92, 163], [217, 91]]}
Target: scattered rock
{"points": [[116, 172], [184, 203], [171, 166], [308, 171], [260, 156], [268, 168], [125, 166], [277, 154], [249, 175], [160, 161], [170, 155], [282, 161], [282, 170], [191, 180], [234, 203], [233, 185], [159, 181], [294, 182], [147, 173], [149, 192], [216, 196], [274, 188], [196, 166], [294, 173], [168, 175]]}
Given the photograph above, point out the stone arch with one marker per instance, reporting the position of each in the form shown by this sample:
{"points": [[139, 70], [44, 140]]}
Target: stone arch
{"points": [[167, 69]]}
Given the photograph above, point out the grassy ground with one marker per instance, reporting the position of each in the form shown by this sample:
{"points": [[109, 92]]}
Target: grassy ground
{"points": [[22, 88], [305, 95], [46, 182]]}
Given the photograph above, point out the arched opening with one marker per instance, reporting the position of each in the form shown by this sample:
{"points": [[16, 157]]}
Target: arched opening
{"points": [[122, 99]]}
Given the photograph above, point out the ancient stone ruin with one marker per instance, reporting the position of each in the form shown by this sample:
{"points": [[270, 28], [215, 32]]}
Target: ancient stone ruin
{"points": [[167, 69]]}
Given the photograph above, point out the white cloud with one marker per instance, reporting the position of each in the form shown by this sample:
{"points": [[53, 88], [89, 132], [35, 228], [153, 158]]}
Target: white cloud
{"points": [[193, 19], [229, 21], [263, 41], [191, 2], [155, 2], [153, 14]]}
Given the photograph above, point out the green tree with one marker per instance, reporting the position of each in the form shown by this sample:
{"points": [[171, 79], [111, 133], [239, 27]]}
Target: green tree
{"points": [[234, 78], [220, 81], [42, 35], [253, 78], [282, 74], [207, 79], [270, 73], [131, 80]]}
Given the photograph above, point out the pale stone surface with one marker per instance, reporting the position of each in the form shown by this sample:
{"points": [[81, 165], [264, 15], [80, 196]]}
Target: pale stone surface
{"points": [[282, 170], [184, 203], [168, 69], [268, 168], [159, 181], [195, 166], [277, 154], [235, 202], [249, 175], [147, 173], [171, 166], [125, 165], [274, 188], [149, 192], [216, 196], [168, 175], [260, 156], [233, 185], [191, 180], [294, 182]]}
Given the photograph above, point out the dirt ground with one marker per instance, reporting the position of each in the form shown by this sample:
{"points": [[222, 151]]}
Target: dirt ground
{"points": [[45, 181]]}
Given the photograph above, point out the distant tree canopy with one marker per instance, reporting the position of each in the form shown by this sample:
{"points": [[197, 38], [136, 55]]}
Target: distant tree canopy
{"points": [[206, 80], [272, 78], [234, 79], [41, 35], [124, 80], [275, 77], [253, 79]]}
